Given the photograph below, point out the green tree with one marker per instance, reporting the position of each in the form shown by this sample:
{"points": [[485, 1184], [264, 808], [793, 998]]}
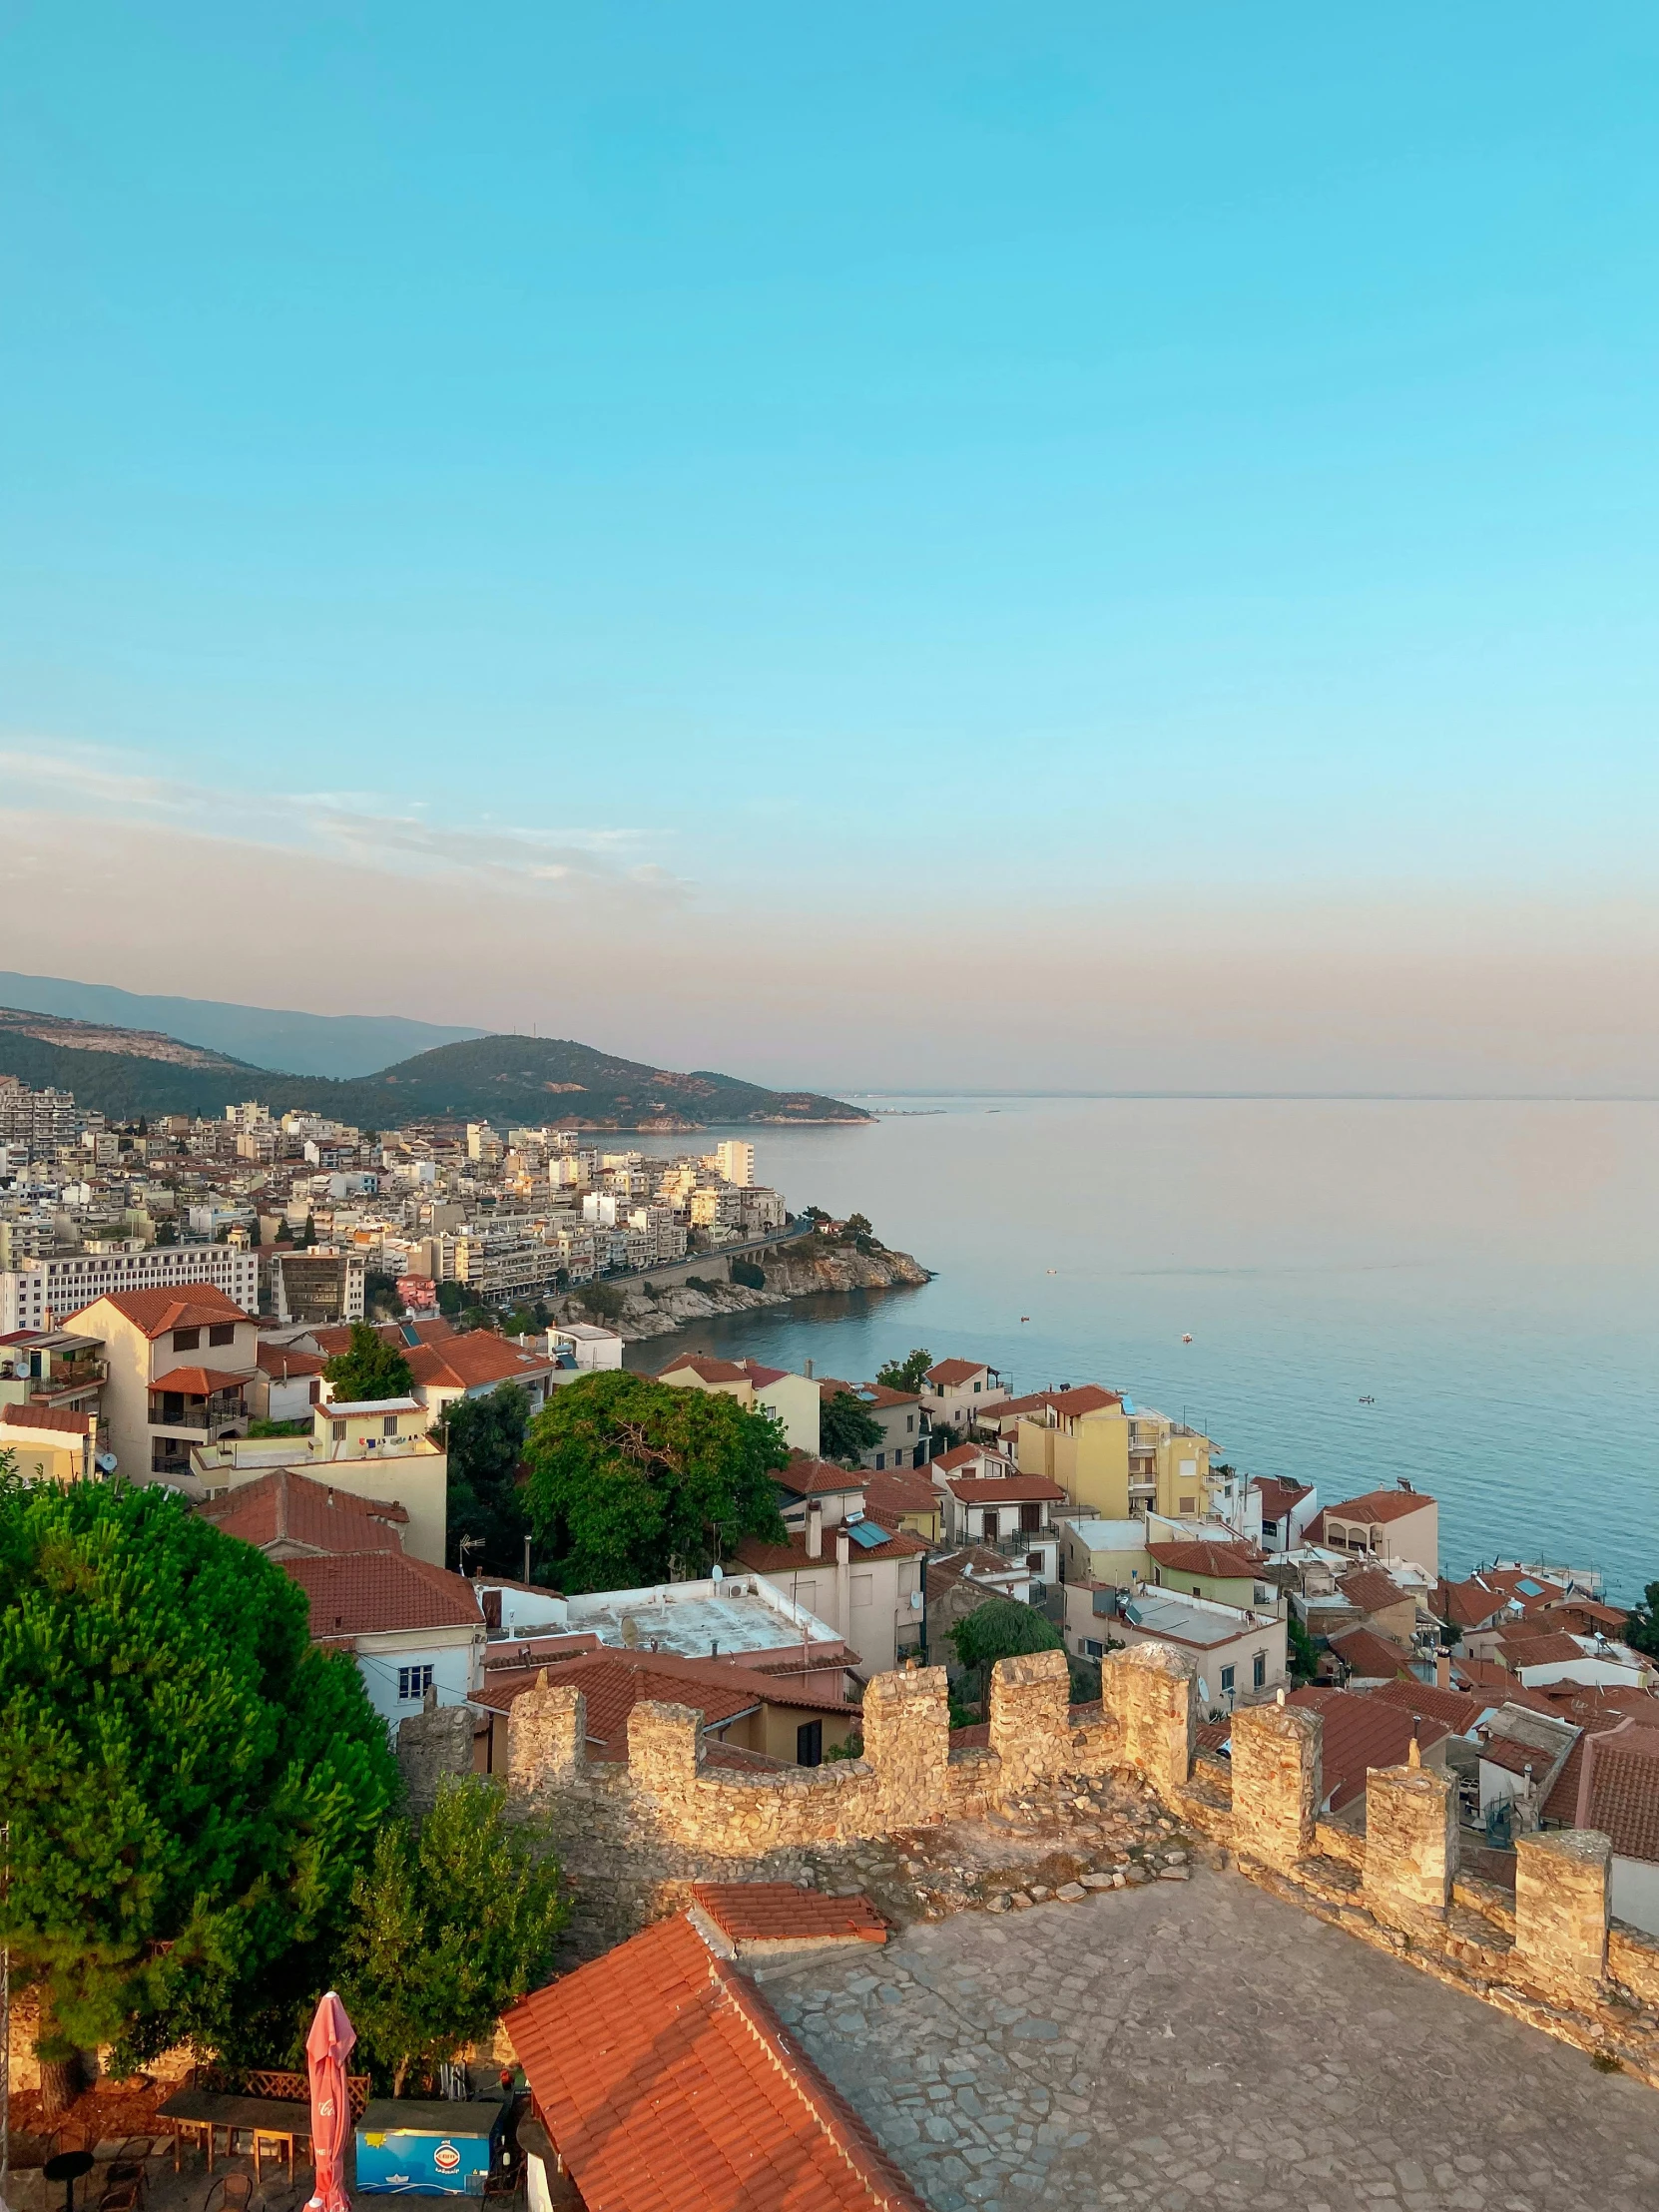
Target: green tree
{"points": [[905, 1374], [451, 1297], [380, 1295], [369, 1369], [1301, 1654], [631, 1480], [190, 1783], [846, 1429], [453, 1922], [602, 1299], [1641, 1631], [485, 1438], [1001, 1628]]}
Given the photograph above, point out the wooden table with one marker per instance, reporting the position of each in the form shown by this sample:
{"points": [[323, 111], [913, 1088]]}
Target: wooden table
{"points": [[200, 2113]]}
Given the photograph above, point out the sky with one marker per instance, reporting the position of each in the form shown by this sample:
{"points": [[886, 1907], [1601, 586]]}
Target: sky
{"points": [[1000, 547]]}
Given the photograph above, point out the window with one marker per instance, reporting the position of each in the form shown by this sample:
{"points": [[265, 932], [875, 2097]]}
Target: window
{"points": [[413, 1682], [909, 1424], [222, 1333], [976, 1388], [1229, 1675], [185, 1340], [1092, 1648], [338, 1430], [809, 1744], [1258, 1671], [388, 1425], [1189, 1506], [881, 1462]]}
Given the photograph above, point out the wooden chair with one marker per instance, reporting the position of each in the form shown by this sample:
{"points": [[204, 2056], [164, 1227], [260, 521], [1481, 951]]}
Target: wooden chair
{"points": [[229, 2193], [121, 2196]]}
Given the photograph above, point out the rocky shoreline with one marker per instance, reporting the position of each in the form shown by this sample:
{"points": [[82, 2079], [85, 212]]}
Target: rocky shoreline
{"points": [[790, 1276]]}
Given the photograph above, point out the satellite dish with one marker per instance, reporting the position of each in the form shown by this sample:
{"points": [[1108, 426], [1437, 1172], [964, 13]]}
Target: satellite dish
{"points": [[106, 1462], [1203, 1691]]}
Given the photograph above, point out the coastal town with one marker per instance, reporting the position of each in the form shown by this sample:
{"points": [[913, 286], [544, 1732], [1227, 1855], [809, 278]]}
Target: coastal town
{"points": [[776, 1695]]}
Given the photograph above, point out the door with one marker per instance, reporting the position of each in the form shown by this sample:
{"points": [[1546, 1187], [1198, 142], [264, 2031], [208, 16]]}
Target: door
{"points": [[809, 1744]]}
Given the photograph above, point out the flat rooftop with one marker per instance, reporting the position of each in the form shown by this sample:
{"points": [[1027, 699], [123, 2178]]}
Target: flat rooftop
{"points": [[689, 1626], [1165, 1613], [1200, 2044]]}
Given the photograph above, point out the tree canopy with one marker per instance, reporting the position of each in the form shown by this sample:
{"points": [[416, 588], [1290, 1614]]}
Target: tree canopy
{"points": [[453, 1922], [485, 1437], [905, 1374], [631, 1480], [369, 1369], [846, 1429], [1002, 1628], [190, 1783], [1642, 1629]]}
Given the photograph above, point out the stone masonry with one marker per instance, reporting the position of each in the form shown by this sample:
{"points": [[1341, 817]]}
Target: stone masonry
{"points": [[633, 1836]]}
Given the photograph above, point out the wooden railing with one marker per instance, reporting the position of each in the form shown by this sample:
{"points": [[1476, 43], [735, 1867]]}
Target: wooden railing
{"points": [[269, 2081]]}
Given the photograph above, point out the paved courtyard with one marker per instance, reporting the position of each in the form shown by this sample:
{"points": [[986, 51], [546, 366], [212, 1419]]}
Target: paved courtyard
{"points": [[1198, 2045]]}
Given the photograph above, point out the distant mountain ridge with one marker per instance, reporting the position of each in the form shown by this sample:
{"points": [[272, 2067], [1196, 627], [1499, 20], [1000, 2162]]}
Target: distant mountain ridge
{"points": [[503, 1079], [339, 1045]]}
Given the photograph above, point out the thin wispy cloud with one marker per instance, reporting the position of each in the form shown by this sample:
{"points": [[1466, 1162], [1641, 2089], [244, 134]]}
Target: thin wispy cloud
{"points": [[352, 827]]}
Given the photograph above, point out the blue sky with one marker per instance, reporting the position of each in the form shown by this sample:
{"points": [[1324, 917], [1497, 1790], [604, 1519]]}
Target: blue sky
{"points": [[768, 501]]}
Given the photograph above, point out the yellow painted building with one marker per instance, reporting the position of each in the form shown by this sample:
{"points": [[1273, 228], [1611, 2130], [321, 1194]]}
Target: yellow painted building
{"points": [[1114, 1461], [47, 1445]]}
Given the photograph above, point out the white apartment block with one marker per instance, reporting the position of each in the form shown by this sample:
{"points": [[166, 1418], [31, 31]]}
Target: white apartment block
{"points": [[44, 1292], [735, 1160]]}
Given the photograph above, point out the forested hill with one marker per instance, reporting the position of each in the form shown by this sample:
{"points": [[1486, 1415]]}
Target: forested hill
{"points": [[522, 1080]]}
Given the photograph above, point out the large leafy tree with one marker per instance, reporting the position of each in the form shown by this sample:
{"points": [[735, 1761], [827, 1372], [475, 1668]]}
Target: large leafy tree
{"points": [[905, 1374], [485, 1437], [190, 1783], [1001, 1628], [451, 1923], [369, 1369], [1642, 1629], [846, 1429], [631, 1480]]}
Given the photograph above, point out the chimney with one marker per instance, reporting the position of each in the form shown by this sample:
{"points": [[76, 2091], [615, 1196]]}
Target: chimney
{"points": [[815, 1530], [807, 1368], [1442, 1670], [843, 1548]]}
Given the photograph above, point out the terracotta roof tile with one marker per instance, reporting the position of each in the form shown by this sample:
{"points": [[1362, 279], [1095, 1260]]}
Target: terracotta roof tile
{"points": [[669, 2085], [707, 1369], [47, 1417], [191, 1306], [781, 1912], [368, 1593], [1546, 1650], [1372, 1590], [1456, 1708], [806, 1478], [1362, 1733], [1279, 1498], [1004, 1490], [471, 1361], [201, 1381], [1231, 1562], [1621, 1793], [286, 1506], [948, 1373], [1366, 1653], [1380, 1506], [761, 1556]]}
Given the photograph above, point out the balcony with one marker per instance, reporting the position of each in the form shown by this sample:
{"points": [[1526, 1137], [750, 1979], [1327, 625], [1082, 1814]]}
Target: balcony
{"points": [[1022, 1542], [211, 1417]]}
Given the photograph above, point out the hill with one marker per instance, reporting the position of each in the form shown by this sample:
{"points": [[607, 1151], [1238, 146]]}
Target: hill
{"points": [[340, 1045], [126, 1073]]}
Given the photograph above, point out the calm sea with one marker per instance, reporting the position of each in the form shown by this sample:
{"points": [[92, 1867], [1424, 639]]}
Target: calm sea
{"points": [[1462, 1292]]}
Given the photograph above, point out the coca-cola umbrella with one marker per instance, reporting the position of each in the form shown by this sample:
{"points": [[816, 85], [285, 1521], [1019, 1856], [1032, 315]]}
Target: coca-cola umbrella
{"points": [[327, 2047]]}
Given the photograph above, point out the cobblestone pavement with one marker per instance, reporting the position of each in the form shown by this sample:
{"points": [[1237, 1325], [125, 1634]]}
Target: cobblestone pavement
{"points": [[1197, 2044]]}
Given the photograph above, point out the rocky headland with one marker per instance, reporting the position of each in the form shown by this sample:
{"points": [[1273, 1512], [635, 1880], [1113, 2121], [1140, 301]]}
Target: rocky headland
{"points": [[650, 1311]]}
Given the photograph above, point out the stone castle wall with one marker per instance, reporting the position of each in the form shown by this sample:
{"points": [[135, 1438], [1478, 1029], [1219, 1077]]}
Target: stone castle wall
{"points": [[633, 1836]]}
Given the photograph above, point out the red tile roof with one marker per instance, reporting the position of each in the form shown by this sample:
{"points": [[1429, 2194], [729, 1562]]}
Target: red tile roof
{"points": [[806, 1478], [948, 1373], [201, 1381], [667, 2085], [191, 1306], [1279, 1497], [368, 1593], [1619, 1790], [286, 1506], [707, 1369], [1380, 1506], [475, 1360], [1372, 1590], [887, 1496], [1231, 1562], [47, 1417], [1455, 1708], [1366, 1653], [1362, 1733], [762, 1557], [282, 1362], [1546, 1650], [971, 1456], [1004, 1490], [780, 1912]]}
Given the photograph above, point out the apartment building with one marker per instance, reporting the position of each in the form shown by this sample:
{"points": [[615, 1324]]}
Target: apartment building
{"points": [[1115, 1461], [958, 1393], [1403, 1524], [793, 1400], [379, 1451], [179, 1368], [322, 1285], [41, 1293], [906, 1436], [861, 1579]]}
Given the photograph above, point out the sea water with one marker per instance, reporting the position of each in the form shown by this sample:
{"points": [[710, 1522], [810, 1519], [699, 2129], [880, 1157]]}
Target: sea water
{"points": [[1462, 1292]]}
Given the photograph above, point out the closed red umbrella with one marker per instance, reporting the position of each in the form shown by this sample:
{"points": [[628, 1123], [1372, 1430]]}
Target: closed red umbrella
{"points": [[327, 2047]]}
